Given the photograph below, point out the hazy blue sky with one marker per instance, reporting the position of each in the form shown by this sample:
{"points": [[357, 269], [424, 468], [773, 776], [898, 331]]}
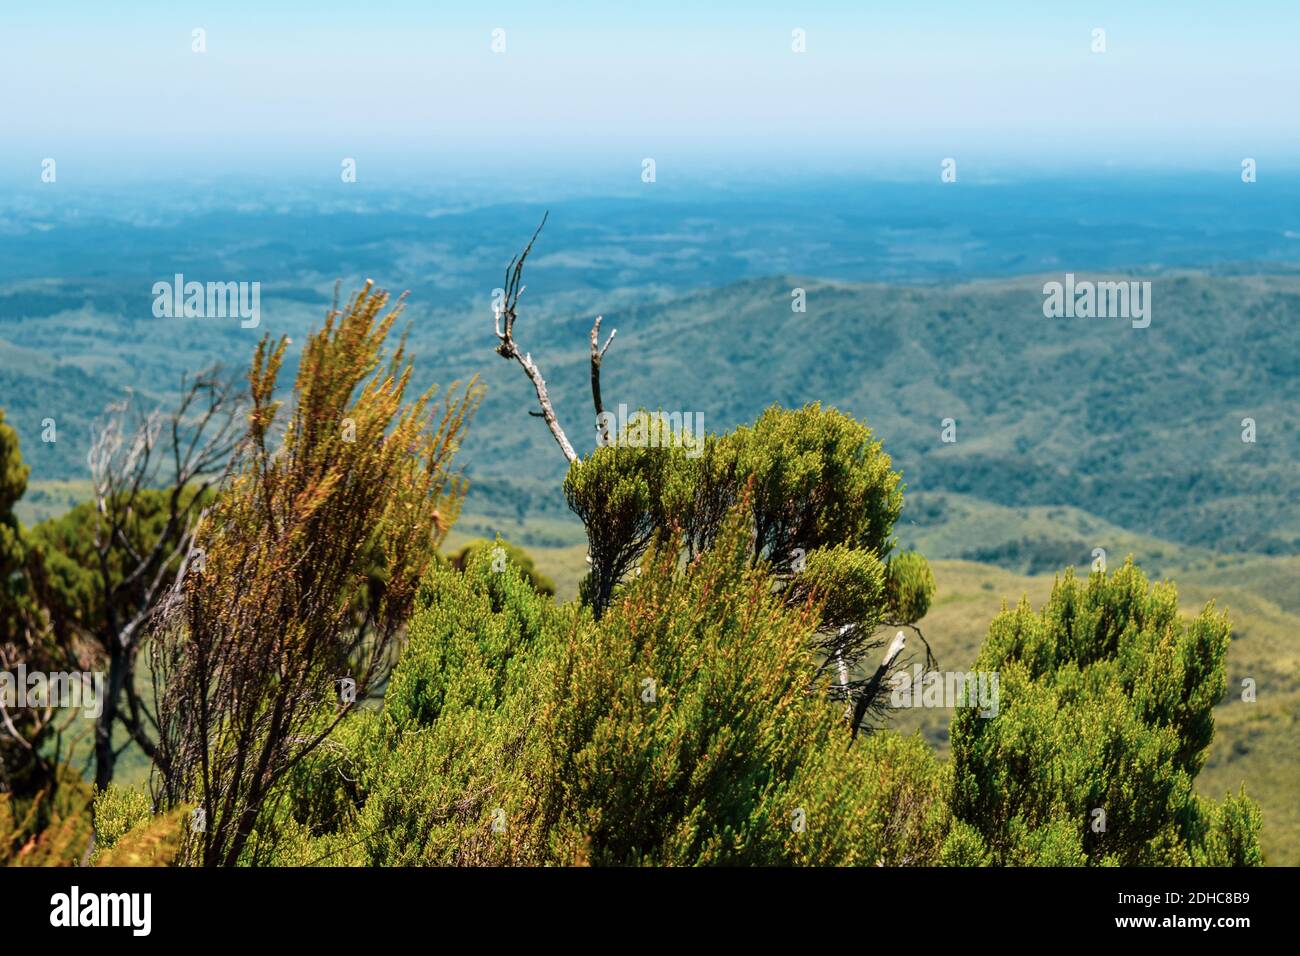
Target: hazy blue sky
{"points": [[113, 90]]}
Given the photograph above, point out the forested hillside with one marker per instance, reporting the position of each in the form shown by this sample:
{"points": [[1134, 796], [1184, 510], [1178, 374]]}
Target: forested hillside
{"points": [[1141, 427]]}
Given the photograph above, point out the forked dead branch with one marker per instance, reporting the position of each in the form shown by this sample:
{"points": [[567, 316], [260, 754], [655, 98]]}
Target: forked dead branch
{"points": [[506, 316]]}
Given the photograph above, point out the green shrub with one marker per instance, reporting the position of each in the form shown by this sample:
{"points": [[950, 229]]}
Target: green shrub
{"points": [[1105, 711], [117, 810], [155, 841], [812, 479], [683, 728], [909, 587], [511, 556]]}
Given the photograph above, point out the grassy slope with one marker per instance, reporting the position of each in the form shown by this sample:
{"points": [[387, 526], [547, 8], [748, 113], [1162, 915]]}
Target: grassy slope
{"points": [[49, 499]]}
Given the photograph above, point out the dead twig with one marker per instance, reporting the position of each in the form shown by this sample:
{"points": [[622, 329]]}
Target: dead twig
{"points": [[507, 314]]}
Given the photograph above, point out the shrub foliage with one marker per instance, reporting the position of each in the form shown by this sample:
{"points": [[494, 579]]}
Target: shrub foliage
{"points": [[1104, 716]]}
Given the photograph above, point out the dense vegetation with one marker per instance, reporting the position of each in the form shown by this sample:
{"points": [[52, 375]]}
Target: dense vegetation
{"points": [[516, 730], [716, 695]]}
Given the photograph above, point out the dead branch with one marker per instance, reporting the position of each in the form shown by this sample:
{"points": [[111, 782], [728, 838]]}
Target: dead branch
{"points": [[513, 289], [597, 354], [869, 696], [142, 464]]}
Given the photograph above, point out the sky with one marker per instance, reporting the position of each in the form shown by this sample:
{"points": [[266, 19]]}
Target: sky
{"points": [[115, 91]]}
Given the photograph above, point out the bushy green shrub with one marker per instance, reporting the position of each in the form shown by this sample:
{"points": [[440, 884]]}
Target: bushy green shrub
{"points": [[812, 479], [117, 811], [511, 555], [154, 841], [690, 725], [327, 788], [909, 587], [1104, 714]]}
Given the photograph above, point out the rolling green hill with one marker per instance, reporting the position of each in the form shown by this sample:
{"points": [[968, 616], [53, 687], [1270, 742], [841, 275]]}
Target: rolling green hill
{"points": [[1141, 427]]}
